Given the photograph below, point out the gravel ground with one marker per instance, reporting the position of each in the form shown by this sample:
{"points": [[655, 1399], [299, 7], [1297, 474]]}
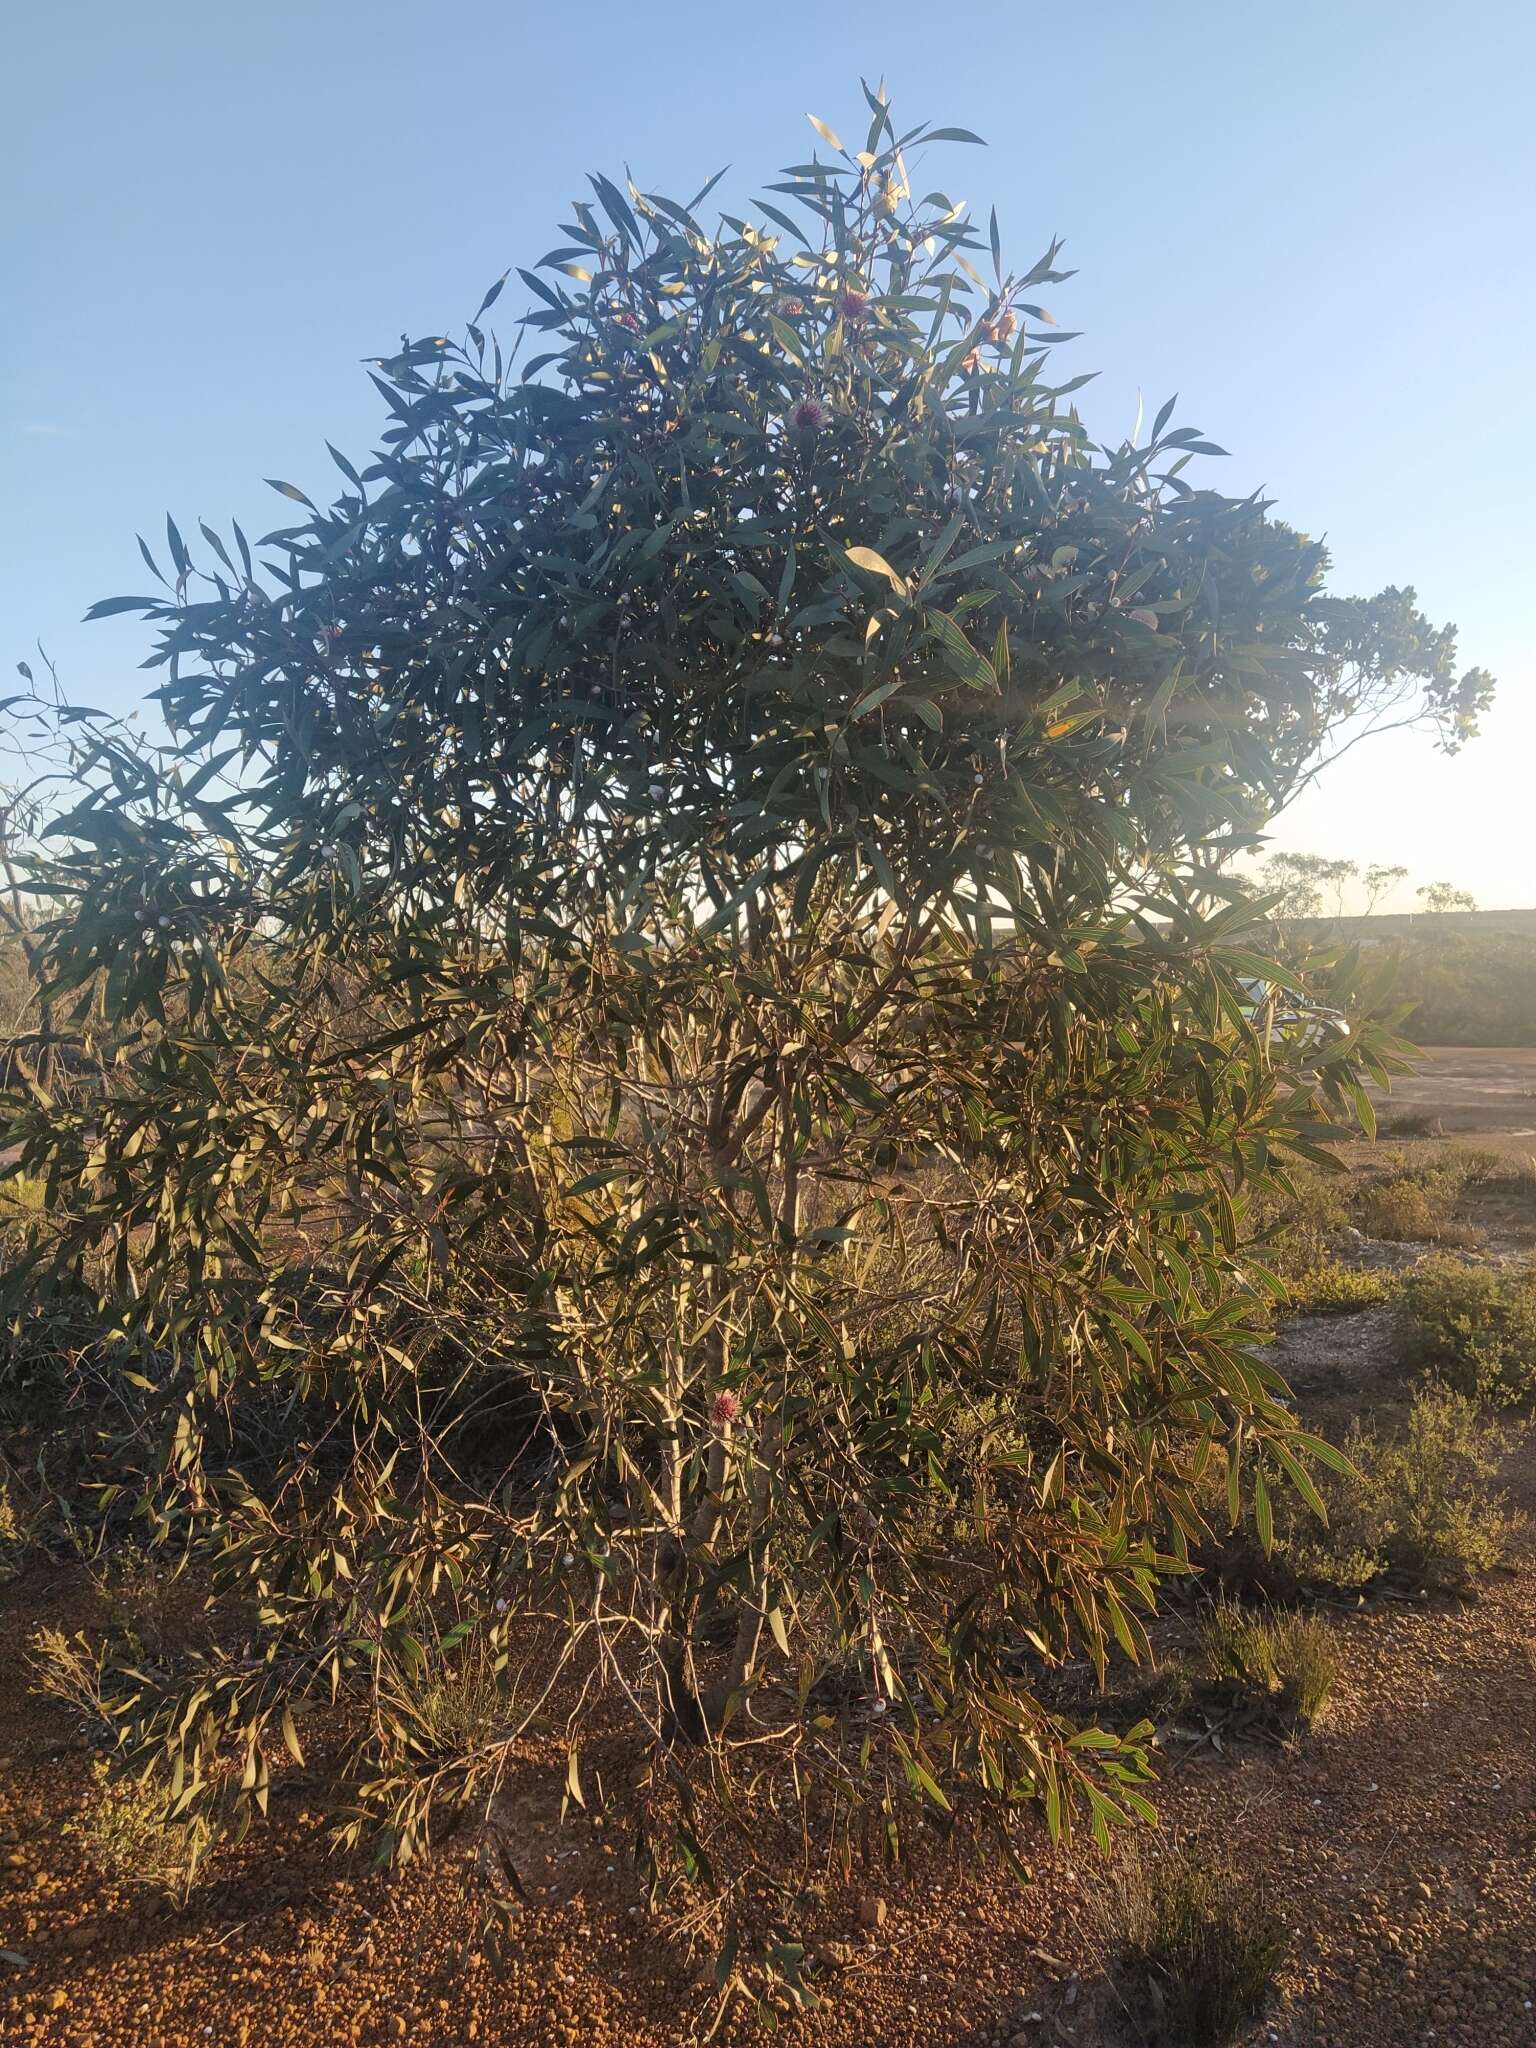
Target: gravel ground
{"points": [[1477, 1095], [1401, 1836]]}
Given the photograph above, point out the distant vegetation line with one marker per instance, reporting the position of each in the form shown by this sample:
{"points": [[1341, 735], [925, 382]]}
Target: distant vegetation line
{"points": [[1422, 924], [1470, 985]]}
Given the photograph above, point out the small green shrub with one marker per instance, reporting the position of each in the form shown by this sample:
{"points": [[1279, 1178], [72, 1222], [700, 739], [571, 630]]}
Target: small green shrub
{"points": [[1411, 1124], [1420, 1502], [1288, 1657], [23, 1201], [1299, 1228], [14, 1528], [1330, 1288], [1428, 1492], [1403, 1211], [1411, 1201], [1459, 1165], [1206, 1942], [135, 1590], [1475, 1327], [125, 1832], [68, 1669], [1297, 1221], [1162, 1694]]}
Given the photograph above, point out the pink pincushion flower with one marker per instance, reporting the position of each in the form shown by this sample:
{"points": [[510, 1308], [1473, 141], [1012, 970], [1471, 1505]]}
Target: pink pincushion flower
{"points": [[724, 1409], [808, 415]]}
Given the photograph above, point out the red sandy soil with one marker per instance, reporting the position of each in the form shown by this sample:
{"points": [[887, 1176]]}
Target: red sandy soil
{"points": [[1402, 1837]]}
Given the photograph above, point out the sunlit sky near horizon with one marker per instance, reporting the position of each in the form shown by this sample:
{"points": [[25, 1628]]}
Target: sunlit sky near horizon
{"points": [[1312, 220]]}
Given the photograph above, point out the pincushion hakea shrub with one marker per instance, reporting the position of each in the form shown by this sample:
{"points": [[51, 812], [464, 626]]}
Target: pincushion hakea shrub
{"points": [[683, 1106]]}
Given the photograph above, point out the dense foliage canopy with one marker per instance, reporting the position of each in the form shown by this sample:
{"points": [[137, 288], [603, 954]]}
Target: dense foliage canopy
{"points": [[681, 1099]]}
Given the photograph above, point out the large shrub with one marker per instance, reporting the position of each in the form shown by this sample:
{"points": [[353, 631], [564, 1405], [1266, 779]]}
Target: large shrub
{"points": [[1475, 1327], [1422, 1501], [678, 1013]]}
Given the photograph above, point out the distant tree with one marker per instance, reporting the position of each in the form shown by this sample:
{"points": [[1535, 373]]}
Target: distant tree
{"points": [[1312, 885], [683, 1108], [1381, 880], [1443, 896], [1304, 880]]}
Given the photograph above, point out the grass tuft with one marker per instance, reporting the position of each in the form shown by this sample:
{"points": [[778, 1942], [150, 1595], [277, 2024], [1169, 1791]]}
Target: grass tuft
{"points": [[1204, 1940], [462, 1706], [1288, 1657]]}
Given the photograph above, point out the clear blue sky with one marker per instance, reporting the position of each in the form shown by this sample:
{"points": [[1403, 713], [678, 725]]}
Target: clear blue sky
{"points": [[1312, 218]]}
